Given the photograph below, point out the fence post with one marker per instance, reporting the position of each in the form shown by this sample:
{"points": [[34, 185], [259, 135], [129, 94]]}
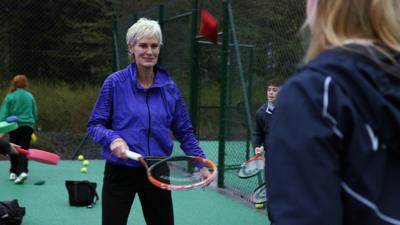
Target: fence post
{"points": [[240, 68], [194, 71], [223, 95], [249, 144]]}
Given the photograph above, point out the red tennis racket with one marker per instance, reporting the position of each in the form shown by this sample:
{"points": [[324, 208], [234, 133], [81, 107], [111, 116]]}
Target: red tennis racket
{"points": [[252, 166], [39, 155], [178, 172]]}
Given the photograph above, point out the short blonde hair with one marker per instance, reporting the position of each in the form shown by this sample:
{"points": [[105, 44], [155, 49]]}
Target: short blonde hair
{"points": [[143, 28], [335, 21]]}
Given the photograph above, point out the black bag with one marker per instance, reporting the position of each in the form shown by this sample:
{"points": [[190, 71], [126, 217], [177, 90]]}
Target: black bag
{"points": [[82, 193], [11, 213]]}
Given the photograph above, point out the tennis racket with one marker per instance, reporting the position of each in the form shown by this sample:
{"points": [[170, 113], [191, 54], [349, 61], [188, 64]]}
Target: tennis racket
{"points": [[259, 195], [39, 155], [177, 173], [252, 166], [6, 127]]}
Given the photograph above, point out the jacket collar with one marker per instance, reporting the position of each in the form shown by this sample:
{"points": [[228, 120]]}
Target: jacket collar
{"points": [[161, 78]]}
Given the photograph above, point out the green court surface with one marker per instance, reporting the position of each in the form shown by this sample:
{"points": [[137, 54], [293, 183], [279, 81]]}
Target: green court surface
{"points": [[47, 204]]}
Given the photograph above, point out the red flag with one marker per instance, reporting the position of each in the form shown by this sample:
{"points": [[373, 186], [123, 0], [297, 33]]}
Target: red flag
{"points": [[208, 26]]}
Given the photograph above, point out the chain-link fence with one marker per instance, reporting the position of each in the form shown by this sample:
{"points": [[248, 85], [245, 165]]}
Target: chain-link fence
{"points": [[269, 47], [67, 48], [272, 50], [64, 48]]}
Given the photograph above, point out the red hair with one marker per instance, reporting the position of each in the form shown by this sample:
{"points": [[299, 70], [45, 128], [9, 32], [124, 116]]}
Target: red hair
{"points": [[19, 81]]}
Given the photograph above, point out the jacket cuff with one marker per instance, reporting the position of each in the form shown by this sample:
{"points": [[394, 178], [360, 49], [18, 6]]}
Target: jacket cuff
{"points": [[115, 142]]}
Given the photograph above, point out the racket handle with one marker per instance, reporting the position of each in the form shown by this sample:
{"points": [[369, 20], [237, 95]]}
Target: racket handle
{"points": [[21, 151], [133, 155]]}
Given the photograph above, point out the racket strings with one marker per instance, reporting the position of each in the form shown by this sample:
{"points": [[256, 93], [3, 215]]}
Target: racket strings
{"points": [[260, 194], [251, 167], [180, 173], [176, 172]]}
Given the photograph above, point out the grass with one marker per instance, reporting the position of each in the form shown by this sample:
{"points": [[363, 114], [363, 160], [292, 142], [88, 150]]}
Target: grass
{"points": [[62, 107], [66, 108]]}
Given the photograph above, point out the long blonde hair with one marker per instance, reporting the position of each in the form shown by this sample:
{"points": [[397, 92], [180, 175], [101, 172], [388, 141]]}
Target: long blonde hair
{"points": [[335, 21]]}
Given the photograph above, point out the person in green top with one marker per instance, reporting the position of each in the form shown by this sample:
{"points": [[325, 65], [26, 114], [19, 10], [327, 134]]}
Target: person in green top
{"points": [[20, 102]]}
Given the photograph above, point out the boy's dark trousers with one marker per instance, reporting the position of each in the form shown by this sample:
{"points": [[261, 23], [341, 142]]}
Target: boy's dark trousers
{"points": [[22, 137]]}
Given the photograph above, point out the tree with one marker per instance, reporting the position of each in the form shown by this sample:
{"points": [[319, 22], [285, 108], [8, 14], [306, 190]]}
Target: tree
{"points": [[57, 40]]}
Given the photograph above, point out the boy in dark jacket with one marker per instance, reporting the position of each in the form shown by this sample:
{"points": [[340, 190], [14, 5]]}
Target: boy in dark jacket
{"points": [[263, 117]]}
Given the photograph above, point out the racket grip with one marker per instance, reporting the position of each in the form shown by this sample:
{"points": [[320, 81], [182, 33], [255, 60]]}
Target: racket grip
{"points": [[133, 155], [21, 151]]}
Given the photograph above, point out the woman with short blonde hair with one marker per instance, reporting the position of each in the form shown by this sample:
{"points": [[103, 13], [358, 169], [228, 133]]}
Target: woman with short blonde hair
{"points": [[137, 109]]}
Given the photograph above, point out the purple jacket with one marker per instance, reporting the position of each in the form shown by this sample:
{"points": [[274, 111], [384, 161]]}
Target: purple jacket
{"points": [[144, 118]]}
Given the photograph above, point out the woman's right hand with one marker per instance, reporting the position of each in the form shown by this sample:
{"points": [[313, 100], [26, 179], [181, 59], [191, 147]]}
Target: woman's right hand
{"points": [[119, 148]]}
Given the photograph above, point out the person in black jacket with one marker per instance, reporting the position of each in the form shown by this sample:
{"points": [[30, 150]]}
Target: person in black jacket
{"points": [[263, 117], [334, 147]]}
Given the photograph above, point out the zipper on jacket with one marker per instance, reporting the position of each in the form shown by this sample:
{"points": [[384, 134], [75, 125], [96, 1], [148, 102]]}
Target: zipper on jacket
{"points": [[148, 131]]}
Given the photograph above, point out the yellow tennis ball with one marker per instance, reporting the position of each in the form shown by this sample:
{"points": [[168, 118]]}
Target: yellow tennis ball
{"points": [[83, 170], [259, 205], [80, 157], [33, 138], [85, 163]]}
